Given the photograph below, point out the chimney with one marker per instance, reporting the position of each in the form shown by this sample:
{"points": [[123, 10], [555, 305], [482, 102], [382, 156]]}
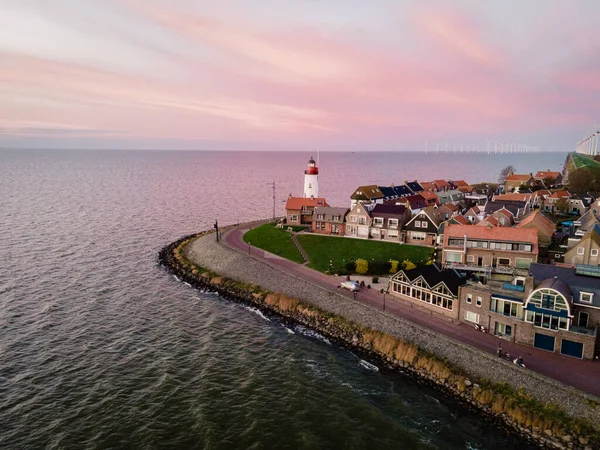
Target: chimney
{"points": [[312, 197]]}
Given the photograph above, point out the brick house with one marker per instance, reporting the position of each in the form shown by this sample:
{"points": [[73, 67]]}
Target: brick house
{"points": [[555, 309], [550, 202], [299, 210], [543, 177], [515, 181], [489, 249], [329, 220], [388, 222], [542, 224], [366, 194]]}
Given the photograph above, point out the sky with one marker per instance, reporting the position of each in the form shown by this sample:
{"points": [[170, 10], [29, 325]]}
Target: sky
{"points": [[377, 75]]}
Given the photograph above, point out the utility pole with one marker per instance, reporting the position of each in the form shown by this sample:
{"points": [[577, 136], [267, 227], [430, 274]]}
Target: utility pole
{"points": [[217, 229]]}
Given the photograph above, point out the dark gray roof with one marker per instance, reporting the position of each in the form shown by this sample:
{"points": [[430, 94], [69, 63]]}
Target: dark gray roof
{"points": [[402, 190], [331, 211], [414, 186], [388, 192], [396, 210], [558, 285], [512, 206], [576, 283], [433, 276]]}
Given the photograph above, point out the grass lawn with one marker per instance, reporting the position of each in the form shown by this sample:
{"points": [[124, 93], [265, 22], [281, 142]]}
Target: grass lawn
{"points": [[274, 240], [322, 249]]}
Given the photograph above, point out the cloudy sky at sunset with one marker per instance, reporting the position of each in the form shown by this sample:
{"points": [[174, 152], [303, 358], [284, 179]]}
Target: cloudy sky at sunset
{"points": [[297, 74]]}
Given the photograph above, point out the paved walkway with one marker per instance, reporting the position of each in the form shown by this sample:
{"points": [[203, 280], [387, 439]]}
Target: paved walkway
{"points": [[584, 375]]}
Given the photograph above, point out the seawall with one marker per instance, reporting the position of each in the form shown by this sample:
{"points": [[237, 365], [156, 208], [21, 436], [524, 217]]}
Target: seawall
{"points": [[494, 386]]}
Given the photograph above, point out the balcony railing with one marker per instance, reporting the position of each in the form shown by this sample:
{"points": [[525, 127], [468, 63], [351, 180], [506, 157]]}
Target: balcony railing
{"points": [[476, 268]]}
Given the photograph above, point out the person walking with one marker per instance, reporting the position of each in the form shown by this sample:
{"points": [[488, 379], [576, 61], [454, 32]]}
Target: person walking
{"points": [[354, 294]]}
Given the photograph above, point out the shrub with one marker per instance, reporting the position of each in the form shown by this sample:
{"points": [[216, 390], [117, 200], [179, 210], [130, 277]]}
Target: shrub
{"points": [[351, 267], [375, 280], [394, 266], [379, 267], [362, 266], [408, 265]]}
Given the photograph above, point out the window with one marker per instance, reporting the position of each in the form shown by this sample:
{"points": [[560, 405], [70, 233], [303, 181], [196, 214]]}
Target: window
{"points": [[594, 252], [378, 221], [336, 218], [583, 319], [504, 261], [478, 301], [454, 242], [353, 219], [471, 316], [557, 255], [453, 257], [469, 298], [393, 223], [294, 218], [580, 250], [501, 329], [586, 297], [507, 308], [362, 221], [522, 263], [417, 224], [320, 216], [470, 258], [418, 235]]}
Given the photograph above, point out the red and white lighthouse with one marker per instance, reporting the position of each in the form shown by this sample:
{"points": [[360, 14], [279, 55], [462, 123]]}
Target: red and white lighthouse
{"points": [[311, 179]]}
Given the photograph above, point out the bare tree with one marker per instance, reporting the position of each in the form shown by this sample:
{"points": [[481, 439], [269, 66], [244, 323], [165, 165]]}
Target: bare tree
{"points": [[504, 173]]}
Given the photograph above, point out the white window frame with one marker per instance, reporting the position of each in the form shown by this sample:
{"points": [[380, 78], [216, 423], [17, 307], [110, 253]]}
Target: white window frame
{"points": [[580, 251], [470, 258], [471, 316], [294, 218], [469, 298], [378, 222], [393, 223], [478, 301], [594, 252], [586, 297]]}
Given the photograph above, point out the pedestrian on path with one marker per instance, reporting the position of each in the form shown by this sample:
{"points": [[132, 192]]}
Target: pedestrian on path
{"points": [[354, 295]]}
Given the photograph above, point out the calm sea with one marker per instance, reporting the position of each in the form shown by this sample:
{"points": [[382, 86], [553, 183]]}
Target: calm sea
{"points": [[101, 348]]}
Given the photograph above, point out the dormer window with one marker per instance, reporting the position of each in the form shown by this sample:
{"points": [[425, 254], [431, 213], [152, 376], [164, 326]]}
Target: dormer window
{"points": [[586, 297]]}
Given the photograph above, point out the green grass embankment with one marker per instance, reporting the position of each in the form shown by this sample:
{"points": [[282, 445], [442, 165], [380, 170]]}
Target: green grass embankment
{"points": [[580, 161], [274, 240]]}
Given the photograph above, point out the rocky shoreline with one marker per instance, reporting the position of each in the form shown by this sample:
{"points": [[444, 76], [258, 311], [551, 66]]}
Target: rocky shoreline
{"points": [[515, 409]]}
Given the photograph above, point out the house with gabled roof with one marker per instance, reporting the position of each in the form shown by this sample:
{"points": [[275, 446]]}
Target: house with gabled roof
{"points": [[587, 250], [505, 217], [329, 220], [402, 190], [539, 197], [582, 225], [431, 198], [424, 227], [577, 205], [517, 208], [414, 186], [515, 181], [388, 222], [429, 186], [387, 192], [414, 202], [442, 185], [457, 183], [467, 189], [489, 221], [514, 196], [489, 249], [550, 202], [450, 196], [299, 210], [358, 221], [366, 194], [542, 224], [429, 287], [549, 178], [475, 214]]}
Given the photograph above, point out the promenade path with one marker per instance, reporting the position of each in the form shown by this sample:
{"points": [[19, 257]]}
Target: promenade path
{"points": [[580, 374]]}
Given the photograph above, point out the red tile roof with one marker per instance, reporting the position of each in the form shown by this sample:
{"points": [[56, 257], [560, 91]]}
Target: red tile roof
{"points": [[516, 177], [466, 189], [428, 195], [296, 203], [528, 235], [463, 220], [542, 175], [459, 183], [428, 185], [513, 196], [560, 194], [442, 183], [538, 220], [452, 207], [491, 220]]}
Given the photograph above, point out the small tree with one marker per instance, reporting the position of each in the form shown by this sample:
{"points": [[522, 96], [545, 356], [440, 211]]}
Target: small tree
{"points": [[562, 205], [581, 180], [549, 181], [508, 170], [394, 267], [362, 266]]}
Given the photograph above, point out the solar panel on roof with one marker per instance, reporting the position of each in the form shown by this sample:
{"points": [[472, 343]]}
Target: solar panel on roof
{"points": [[587, 270]]}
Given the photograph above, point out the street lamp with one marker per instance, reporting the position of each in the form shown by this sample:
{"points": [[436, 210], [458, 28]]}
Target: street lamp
{"points": [[248, 247], [384, 300]]}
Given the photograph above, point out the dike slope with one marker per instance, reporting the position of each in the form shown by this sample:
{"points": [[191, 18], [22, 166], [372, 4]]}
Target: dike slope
{"points": [[523, 400]]}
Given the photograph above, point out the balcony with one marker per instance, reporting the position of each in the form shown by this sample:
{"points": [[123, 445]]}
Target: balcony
{"points": [[582, 330], [475, 268]]}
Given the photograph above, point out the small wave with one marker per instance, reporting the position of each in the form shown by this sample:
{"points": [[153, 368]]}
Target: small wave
{"points": [[257, 312], [313, 334], [368, 365], [289, 330], [176, 277], [187, 284], [471, 446]]}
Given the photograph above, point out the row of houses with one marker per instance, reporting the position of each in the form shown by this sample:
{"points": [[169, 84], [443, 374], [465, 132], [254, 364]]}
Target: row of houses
{"points": [[549, 307]]}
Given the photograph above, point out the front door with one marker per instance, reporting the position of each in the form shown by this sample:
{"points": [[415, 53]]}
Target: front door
{"points": [[583, 319], [480, 261]]}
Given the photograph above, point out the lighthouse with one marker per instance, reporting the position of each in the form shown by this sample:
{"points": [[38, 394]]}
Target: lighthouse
{"points": [[311, 180]]}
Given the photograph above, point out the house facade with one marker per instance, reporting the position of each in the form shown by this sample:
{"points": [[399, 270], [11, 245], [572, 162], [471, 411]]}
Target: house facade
{"points": [[329, 220], [358, 222], [544, 310], [549, 178], [544, 226], [450, 196], [515, 181], [587, 250], [489, 249], [423, 228], [551, 202], [388, 222], [299, 210], [430, 288], [366, 194]]}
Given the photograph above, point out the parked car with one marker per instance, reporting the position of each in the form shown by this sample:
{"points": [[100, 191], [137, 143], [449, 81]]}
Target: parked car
{"points": [[350, 285]]}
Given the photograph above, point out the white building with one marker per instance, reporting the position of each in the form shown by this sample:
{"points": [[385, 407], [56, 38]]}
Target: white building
{"points": [[311, 180]]}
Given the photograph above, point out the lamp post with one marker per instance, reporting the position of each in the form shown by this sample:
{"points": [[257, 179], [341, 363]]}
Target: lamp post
{"points": [[248, 247], [383, 300]]}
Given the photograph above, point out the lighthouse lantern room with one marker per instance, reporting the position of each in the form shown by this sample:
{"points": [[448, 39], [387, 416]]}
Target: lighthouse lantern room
{"points": [[311, 180]]}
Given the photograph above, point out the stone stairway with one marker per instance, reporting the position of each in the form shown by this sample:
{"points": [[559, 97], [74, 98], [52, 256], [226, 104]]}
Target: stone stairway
{"points": [[299, 247]]}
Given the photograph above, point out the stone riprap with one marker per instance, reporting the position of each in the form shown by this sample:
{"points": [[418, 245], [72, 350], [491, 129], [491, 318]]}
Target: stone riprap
{"points": [[217, 257]]}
